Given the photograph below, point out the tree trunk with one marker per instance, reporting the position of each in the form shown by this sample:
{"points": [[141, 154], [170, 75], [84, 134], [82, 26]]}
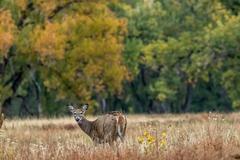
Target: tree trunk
{"points": [[188, 98], [103, 105], [38, 96], [6, 104], [150, 106]]}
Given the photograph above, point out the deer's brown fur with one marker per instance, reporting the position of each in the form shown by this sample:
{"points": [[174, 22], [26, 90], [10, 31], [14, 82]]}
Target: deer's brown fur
{"points": [[121, 122], [105, 129]]}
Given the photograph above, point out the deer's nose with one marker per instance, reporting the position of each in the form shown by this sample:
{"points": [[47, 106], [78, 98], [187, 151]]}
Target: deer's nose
{"points": [[77, 118]]}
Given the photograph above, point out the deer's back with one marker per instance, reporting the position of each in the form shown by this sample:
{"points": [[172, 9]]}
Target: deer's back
{"points": [[105, 128]]}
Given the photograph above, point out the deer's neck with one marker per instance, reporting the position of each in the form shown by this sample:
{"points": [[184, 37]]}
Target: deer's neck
{"points": [[85, 125]]}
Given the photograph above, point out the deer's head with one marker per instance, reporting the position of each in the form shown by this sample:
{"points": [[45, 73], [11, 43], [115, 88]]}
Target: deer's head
{"points": [[78, 114]]}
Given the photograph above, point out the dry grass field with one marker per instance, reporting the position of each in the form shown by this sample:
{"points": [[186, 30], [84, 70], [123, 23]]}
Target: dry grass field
{"points": [[205, 136]]}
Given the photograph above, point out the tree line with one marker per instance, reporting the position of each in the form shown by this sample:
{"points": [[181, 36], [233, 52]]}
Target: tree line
{"points": [[137, 56]]}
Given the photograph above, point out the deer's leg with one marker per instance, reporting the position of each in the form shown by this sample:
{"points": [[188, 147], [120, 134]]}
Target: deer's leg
{"points": [[96, 141], [119, 133], [121, 138]]}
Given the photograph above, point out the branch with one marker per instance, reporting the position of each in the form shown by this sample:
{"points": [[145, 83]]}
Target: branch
{"points": [[17, 78], [58, 9], [3, 65], [30, 7]]}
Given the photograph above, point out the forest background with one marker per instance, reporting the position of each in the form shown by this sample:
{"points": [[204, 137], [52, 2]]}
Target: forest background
{"points": [[138, 56]]}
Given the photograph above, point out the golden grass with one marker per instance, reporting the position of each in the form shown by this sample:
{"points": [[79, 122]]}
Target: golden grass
{"points": [[189, 136]]}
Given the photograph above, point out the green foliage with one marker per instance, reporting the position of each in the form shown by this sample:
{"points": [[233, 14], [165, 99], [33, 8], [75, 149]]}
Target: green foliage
{"points": [[139, 56], [183, 43], [70, 49], [233, 5]]}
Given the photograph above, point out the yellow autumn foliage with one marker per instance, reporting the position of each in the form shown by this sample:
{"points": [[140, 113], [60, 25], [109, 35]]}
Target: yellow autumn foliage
{"points": [[49, 41], [22, 4], [7, 30], [48, 7], [79, 49], [90, 54]]}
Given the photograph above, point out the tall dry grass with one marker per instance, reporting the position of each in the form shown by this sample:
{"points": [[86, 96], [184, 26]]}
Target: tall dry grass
{"points": [[186, 137]]}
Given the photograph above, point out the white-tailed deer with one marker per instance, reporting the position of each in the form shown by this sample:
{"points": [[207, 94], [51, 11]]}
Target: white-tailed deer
{"points": [[105, 129], [1, 119]]}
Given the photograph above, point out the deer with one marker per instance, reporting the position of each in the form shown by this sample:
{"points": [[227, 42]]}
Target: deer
{"points": [[105, 129], [1, 119]]}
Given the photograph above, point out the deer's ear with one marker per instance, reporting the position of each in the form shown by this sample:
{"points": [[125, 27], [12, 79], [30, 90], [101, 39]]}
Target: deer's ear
{"points": [[85, 107], [70, 107]]}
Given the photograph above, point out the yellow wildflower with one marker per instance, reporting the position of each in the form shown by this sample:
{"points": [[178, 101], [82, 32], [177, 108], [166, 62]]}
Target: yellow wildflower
{"points": [[145, 133], [164, 134], [163, 143], [140, 139], [150, 139]]}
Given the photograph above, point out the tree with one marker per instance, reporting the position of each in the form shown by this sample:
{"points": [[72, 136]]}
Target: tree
{"points": [[72, 49], [177, 64]]}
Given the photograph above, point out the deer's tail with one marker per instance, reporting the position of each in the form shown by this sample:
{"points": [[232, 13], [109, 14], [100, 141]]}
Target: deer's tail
{"points": [[121, 126]]}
